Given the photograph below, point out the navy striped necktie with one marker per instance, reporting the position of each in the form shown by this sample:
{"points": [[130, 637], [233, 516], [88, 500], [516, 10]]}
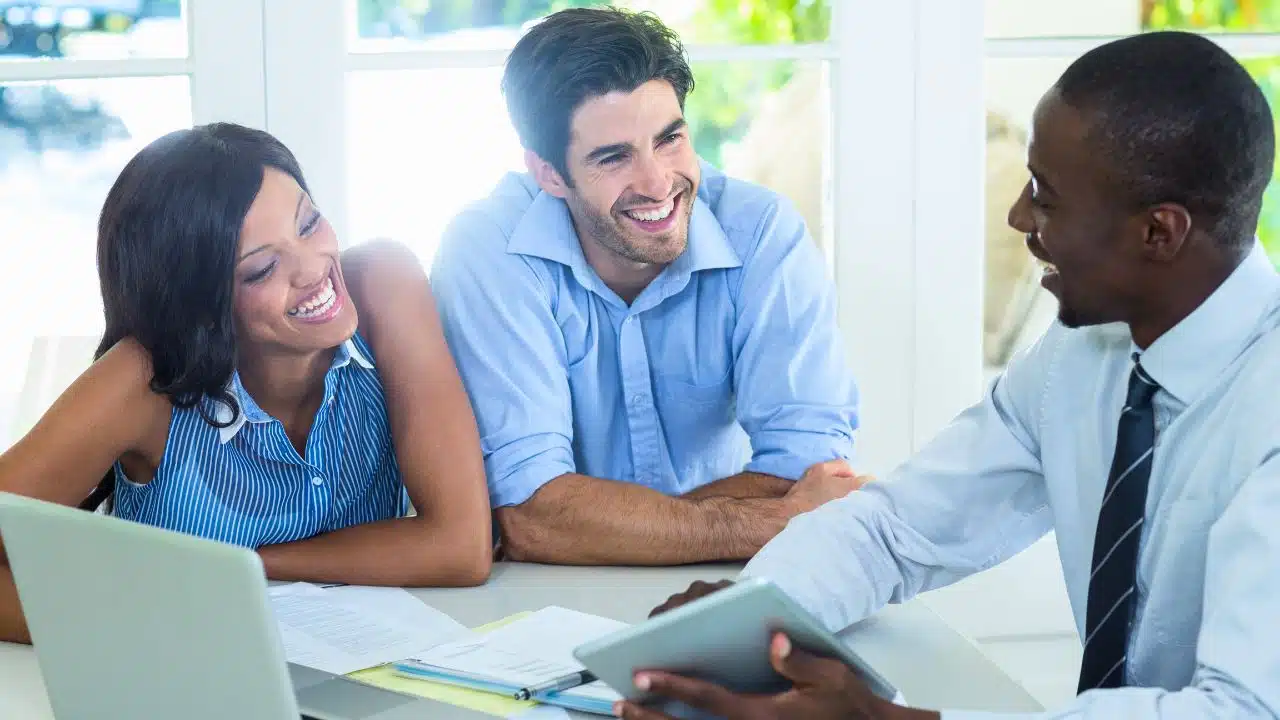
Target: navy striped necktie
{"points": [[1112, 584]]}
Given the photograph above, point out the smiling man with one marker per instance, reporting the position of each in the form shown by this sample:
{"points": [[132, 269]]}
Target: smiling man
{"points": [[650, 347], [1143, 427]]}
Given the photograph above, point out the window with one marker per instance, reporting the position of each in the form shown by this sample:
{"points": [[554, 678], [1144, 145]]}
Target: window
{"points": [[82, 89], [65, 141], [389, 25], [1101, 18], [410, 190], [784, 97], [1029, 45], [93, 30], [823, 101]]}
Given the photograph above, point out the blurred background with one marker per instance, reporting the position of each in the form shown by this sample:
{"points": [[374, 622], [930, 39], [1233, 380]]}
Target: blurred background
{"points": [[61, 142], [84, 84]]}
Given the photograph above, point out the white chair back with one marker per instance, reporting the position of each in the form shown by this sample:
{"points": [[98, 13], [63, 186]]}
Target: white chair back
{"points": [[56, 361]]}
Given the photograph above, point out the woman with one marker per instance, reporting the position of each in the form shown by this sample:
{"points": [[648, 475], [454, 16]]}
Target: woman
{"points": [[237, 394]]}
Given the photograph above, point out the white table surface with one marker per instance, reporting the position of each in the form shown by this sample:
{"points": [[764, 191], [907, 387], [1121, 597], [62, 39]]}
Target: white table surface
{"points": [[933, 665]]}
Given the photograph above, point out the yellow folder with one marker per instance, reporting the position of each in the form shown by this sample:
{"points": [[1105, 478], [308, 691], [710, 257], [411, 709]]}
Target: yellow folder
{"points": [[385, 677]]}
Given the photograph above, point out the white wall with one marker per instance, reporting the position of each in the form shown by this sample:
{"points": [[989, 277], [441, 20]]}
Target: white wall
{"points": [[1014, 85]]}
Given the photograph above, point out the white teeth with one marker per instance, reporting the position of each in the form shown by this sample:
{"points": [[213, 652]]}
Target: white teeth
{"points": [[653, 215], [318, 304]]}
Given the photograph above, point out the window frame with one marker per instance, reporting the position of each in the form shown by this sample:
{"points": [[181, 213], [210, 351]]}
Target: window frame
{"points": [[884, 256], [908, 277], [948, 370], [226, 80]]}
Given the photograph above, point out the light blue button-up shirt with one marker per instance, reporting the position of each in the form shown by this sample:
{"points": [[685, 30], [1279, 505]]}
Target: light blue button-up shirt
{"points": [[1034, 455], [730, 358]]}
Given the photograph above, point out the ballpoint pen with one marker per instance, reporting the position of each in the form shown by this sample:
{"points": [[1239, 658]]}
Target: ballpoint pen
{"points": [[564, 682]]}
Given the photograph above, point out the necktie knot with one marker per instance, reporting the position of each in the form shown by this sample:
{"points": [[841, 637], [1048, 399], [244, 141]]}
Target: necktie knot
{"points": [[1141, 388]]}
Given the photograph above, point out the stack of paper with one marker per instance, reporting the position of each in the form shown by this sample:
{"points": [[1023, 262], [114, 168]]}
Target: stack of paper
{"points": [[386, 677], [344, 629], [532, 650]]}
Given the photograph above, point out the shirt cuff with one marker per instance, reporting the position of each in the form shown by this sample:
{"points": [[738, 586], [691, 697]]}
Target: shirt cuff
{"points": [[518, 484], [789, 460]]}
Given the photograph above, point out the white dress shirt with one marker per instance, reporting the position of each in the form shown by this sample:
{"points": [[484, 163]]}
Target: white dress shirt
{"points": [[1034, 455]]}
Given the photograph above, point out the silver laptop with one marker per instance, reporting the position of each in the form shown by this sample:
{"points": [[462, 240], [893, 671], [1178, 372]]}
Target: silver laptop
{"points": [[133, 622]]}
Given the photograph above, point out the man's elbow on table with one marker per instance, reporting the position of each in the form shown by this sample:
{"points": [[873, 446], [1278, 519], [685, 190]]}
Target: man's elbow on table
{"points": [[522, 533]]}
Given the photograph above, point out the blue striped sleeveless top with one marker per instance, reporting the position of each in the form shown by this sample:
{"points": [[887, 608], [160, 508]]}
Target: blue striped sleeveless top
{"points": [[247, 485]]}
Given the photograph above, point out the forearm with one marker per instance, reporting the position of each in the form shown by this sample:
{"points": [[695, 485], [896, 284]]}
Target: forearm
{"points": [[406, 552], [580, 520], [13, 627], [743, 485]]}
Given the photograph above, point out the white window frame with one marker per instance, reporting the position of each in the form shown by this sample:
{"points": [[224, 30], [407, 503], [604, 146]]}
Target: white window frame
{"points": [[226, 78], [225, 82], [226, 42], [948, 373], [887, 259], [909, 156], [908, 132]]}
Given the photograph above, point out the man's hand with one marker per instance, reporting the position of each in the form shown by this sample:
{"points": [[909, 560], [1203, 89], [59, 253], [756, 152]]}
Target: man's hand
{"points": [[696, 590], [822, 689], [822, 483]]}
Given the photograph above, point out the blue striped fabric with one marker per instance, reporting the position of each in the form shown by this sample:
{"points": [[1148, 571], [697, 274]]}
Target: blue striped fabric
{"points": [[246, 484]]}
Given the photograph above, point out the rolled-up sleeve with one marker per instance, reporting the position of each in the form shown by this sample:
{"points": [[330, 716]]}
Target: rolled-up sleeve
{"points": [[796, 396], [498, 321]]}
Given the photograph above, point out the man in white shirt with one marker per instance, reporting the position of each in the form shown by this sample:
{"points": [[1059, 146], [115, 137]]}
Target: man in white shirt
{"points": [[1144, 427]]}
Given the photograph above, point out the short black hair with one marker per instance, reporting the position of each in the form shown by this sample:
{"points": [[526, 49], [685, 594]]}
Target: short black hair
{"points": [[574, 55], [1182, 121]]}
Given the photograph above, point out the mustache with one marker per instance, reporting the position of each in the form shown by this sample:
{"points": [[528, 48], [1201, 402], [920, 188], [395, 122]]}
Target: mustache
{"points": [[681, 185]]}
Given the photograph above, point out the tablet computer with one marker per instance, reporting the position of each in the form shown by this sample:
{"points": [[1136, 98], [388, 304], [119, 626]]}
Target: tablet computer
{"points": [[724, 638]]}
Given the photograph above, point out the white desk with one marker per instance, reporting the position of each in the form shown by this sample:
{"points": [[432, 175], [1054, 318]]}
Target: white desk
{"points": [[933, 665]]}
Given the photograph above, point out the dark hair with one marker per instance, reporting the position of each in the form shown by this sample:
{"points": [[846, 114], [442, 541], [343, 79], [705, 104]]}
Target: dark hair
{"points": [[168, 239], [1179, 120], [574, 55]]}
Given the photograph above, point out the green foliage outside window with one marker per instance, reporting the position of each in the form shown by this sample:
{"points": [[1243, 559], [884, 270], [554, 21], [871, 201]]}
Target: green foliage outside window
{"points": [[1234, 16], [1212, 15], [720, 106], [722, 102]]}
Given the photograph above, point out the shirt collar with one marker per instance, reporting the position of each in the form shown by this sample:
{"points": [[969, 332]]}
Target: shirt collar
{"points": [[546, 231], [709, 247], [249, 410], [1195, 351]]}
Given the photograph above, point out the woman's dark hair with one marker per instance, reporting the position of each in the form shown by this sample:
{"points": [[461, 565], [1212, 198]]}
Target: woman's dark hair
{"points": [[168, 240]]}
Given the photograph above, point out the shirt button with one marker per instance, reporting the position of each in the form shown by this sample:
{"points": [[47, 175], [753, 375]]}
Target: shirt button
{"points": [[637, 399], [317, 481]]}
